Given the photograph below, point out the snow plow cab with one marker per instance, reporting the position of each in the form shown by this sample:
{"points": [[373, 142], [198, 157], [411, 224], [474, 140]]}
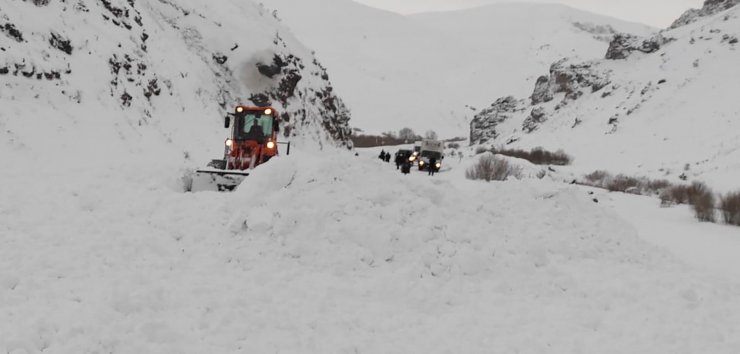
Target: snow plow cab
{"points": [[252, 142]]}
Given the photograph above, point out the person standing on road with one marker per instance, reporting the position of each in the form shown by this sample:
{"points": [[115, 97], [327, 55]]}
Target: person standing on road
{"points": [[432, 166], [406, 167]]}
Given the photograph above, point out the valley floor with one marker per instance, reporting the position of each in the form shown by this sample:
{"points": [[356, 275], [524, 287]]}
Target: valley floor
{"points": [[336, 253]]}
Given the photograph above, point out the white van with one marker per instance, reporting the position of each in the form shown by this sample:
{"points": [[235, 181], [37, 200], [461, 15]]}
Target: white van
{"points": [[431, 149]]}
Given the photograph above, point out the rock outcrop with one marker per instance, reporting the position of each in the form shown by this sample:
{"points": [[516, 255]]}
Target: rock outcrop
{"points": [[710, 7], [483, 125], [625, 44], [535, 117], [571, 79]]}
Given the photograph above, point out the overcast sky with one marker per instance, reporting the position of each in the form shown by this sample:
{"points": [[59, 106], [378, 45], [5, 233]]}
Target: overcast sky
{"points": [[658, 13]]}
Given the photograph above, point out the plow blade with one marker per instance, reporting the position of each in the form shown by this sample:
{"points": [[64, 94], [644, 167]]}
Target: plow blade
{"points": [[216, 180]]}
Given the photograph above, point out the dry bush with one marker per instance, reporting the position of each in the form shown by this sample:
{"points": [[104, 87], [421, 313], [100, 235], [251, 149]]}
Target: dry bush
{"points": [[678, 194], [697, 190], [658, 186], [686, 194], [730, 208], [703, 205], [665, 198], [622, 183], [598, 177], [490, 168], [538, 156]]}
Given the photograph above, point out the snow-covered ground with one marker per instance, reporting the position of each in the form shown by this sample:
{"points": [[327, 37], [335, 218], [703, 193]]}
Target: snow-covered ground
{"points": [[330, 252]]}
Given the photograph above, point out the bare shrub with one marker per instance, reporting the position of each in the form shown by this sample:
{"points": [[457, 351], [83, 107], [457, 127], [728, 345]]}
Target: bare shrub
{"points": [[696, 191], [703, 204], [665, 198], [658, 186], [490, 168], [678, 194], [622, 183], [730, 208], [538, 156], [598, 178]]}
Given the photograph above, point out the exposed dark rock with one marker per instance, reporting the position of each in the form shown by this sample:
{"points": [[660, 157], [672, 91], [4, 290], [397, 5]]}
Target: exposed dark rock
{"points": [[483, 125], [61, 43], [625, 44], [329, 109], [542, 92], [12, 32], [29, 73], [52, 75], [260, 100], [152, 88], [4, 70], [81, 7], [710, 8], [273, 69], [729, 39], [571, 79], [287, 86], [126, 99], [116, 11], [536, 117], [220, 58]]}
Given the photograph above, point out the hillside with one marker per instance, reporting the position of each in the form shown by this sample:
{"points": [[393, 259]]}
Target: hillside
{"points": [[90, 83], [422, 71], [662, 106]]}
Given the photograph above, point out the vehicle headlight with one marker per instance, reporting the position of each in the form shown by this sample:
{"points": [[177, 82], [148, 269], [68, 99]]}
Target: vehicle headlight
{"points": [[229, 142], [270, 144], [412, 158], [421, 162], [438, 165]]}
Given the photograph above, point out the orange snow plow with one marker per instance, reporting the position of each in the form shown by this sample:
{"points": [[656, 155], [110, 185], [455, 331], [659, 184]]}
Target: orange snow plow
{"points": [[253, 141]]}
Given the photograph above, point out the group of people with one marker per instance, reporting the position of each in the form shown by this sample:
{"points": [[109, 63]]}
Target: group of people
{"points": [[385, 156], [401, 161], [404, 164]]}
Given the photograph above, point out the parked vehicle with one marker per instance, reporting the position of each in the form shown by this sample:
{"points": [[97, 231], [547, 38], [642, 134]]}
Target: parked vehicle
{"points": [[431, 151]]}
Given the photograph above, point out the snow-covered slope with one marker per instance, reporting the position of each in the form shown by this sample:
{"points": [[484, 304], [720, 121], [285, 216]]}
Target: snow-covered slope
{"points": [[110, 82], [661, 107], [422, 71]]}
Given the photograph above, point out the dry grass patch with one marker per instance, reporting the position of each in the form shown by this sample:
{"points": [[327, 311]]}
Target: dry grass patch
{"points": [[491, 168]]}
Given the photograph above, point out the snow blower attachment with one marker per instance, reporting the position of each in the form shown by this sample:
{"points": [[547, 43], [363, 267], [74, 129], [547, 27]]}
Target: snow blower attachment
{"points": [[253, 141]]}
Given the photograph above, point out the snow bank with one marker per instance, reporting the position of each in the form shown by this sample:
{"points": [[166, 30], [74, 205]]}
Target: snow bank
{"points": [[340, 253]]}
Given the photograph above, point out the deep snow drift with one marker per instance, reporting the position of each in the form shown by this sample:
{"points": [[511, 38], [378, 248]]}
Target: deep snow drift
{"points": [[321, 253]]}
